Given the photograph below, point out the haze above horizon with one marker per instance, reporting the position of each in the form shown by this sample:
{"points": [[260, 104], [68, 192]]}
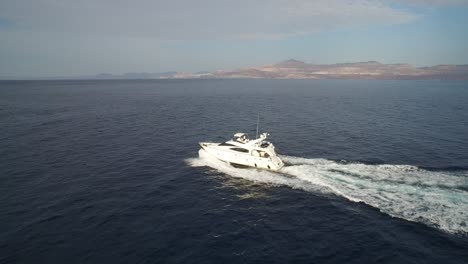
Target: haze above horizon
{"points": [[71, 38]]}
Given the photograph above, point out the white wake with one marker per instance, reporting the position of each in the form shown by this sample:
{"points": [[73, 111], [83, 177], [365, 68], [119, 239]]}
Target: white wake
{"points": [[436, 198]]}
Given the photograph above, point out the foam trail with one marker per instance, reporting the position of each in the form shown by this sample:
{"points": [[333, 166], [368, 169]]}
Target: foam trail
{"points": [[436, 198]]}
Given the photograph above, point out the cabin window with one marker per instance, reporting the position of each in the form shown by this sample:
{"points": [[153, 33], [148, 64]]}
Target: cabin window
{"points": [[240, 150], [225, 144]]}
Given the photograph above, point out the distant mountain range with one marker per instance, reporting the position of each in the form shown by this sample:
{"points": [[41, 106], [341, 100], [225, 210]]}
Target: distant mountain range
{"points": [[295, 69]]}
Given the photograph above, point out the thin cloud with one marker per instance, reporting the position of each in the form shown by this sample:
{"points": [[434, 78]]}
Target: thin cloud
{"points": [[432, 2], [205, 19]]}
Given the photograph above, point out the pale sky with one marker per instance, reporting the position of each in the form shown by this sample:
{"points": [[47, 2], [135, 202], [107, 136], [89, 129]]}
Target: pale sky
{"points": [[41, 38]]}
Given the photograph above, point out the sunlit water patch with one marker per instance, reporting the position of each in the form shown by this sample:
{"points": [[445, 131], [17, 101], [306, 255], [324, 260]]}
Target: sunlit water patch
{"points": [[435, 198]]}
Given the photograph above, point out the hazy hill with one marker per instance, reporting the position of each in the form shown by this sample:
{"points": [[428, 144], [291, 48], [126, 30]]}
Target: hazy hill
{"points": [[295, 69]]}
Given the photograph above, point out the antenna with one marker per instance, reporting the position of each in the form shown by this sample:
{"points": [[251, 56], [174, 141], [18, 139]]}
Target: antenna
{"points": [[258, 119]]}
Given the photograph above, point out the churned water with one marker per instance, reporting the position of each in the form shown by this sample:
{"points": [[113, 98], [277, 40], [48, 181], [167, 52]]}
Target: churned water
{"points": [[110, 171]]}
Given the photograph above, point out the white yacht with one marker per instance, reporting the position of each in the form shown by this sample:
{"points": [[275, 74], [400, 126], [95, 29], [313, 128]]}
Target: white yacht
{"points": [[243, 152]]}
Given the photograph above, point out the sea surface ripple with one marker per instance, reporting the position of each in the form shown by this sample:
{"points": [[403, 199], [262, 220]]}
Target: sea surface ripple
{"points": [[110, 172]]}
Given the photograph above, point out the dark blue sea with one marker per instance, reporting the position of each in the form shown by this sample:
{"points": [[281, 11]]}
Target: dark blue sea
{"points": [[110, 172]]}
